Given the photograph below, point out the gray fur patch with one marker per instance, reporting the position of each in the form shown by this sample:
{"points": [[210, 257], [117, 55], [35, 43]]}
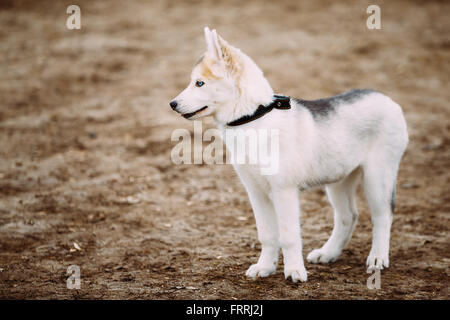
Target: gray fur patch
{"points": [[393, 200], [199, 60], [323, 107]]}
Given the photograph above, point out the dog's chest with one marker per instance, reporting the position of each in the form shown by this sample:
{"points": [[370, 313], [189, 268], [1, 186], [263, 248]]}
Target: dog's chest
{"points": [[250, 174]]}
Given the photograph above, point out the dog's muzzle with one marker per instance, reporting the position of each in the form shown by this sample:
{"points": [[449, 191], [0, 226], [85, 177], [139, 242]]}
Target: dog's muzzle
{"points": [[188, 115], [173, 104]]}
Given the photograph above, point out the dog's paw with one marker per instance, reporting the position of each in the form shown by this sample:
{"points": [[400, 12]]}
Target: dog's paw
{"points": [[321, 256], [375, 261], [261, 271], [296, 274]]}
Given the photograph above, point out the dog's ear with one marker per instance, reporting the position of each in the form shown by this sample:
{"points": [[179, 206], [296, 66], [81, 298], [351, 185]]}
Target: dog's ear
{"points": [[216, 46], [207, 38], [212, 44], [221, 52], [229, 55]]}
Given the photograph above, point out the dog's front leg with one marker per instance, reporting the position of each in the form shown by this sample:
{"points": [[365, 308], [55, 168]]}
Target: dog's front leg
{"points": [[266, 223], [287, 207]]}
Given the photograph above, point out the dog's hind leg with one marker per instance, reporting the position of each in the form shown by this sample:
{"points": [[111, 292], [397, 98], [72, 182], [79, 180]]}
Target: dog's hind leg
{"points": [[342, 196], [379, 185]]}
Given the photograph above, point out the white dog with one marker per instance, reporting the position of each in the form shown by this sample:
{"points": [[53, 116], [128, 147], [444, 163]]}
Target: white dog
{"points": [[336, 142]]}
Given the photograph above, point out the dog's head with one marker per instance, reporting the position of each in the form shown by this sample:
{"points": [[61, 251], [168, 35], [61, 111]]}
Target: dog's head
{"points": [[218, 81]]}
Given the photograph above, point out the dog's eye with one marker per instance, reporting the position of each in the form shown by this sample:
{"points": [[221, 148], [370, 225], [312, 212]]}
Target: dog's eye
{"points": [[199, 83]]}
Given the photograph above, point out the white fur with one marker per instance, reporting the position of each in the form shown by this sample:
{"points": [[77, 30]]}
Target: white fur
{"points": [[363, 140]]}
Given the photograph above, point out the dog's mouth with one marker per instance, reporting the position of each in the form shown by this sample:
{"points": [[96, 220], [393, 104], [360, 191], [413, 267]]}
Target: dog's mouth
{"points": [[188, 115]]}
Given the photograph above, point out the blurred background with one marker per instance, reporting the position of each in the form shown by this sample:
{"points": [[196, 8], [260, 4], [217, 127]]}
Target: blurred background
{"points": [[85, 171]]}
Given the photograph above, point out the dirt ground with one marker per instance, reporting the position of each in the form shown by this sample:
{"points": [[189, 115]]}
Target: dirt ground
{"points": [[86, 176]]}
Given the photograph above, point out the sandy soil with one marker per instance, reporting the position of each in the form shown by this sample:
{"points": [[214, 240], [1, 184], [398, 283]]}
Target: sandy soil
{"points": [[85, 123]]}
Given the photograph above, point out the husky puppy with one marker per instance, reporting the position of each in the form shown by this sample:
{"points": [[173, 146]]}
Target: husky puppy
{"points": [[334, 142]]}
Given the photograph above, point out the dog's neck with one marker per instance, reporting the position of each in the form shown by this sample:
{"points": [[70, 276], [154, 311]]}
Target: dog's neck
{"points": [[278, 102], [252, 90]]}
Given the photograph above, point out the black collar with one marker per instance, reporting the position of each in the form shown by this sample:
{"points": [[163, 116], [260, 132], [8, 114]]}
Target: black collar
{"points": [[279, 102]]}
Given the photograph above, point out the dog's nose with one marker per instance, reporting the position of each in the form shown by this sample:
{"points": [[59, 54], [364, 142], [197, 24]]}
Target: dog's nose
{"points": [[173, 104]]}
